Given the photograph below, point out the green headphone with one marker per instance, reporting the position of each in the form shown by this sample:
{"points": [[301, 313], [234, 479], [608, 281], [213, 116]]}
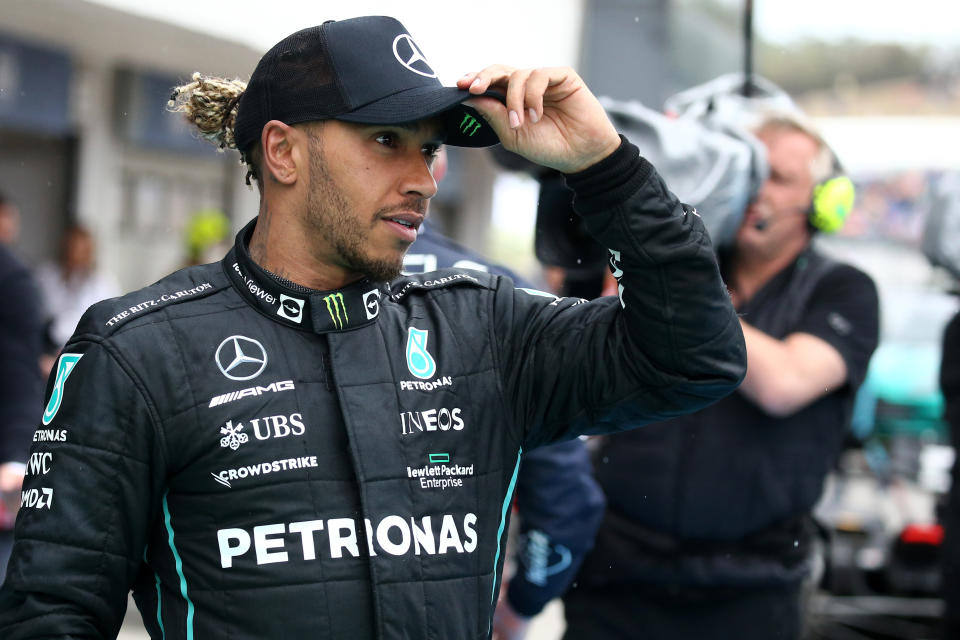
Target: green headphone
{"points": [[832, 203]]}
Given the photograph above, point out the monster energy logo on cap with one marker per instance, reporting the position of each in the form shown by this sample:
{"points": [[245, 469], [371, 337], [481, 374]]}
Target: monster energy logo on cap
{"points": [[469, 125], [336, 307]]}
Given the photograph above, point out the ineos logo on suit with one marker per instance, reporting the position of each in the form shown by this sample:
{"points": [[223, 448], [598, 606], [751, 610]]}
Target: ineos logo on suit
{"points": [[241, 358]]}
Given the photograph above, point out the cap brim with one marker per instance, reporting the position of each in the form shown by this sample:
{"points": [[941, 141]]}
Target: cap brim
{"points": [[464, 127]]}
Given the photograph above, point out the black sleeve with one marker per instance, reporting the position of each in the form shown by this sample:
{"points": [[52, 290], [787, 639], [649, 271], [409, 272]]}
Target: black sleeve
{"points": [[843, 311], [669, 344], [21, 339], [91, 491], [560, 506]]}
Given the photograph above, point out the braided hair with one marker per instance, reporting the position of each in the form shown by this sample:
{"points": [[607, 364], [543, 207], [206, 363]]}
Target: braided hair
{"points": [[210, 104]]}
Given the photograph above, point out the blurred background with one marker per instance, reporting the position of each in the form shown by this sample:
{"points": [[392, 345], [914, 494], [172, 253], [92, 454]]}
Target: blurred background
{"points": [[85, 139]]}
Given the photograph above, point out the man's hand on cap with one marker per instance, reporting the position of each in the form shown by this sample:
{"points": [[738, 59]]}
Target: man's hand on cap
{"points": [[550, 118]]}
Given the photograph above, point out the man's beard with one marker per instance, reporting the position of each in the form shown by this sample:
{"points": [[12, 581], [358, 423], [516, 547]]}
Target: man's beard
{"points": [[327, 214]]}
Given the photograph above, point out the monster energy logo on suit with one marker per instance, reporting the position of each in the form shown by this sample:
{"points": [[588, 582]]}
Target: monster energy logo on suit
{"points": [[336, 307]]}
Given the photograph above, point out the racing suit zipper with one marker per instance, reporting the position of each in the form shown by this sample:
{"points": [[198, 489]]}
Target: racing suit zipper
{"points": [[326, 368]]}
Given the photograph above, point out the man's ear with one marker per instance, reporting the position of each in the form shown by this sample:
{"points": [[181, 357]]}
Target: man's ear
{"points": [[279, 162]]}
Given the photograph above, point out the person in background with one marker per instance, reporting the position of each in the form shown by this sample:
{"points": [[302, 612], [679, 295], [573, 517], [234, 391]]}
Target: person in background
{"points": [[72, 284], [206, 236], [559, 503], [9, 221], [21, 388], [950, 385], [708, 527]]}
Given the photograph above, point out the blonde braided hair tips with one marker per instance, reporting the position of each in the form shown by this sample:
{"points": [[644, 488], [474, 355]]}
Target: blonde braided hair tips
{"points": [[210, 104]]}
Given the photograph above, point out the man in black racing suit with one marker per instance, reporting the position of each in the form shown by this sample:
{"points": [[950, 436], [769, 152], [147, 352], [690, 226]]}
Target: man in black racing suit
{"points": [[283, 445], [558, 501]]}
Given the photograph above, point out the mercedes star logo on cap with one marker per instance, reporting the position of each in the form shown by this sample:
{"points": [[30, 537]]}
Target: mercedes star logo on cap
{"points": [[410, 56], [241, 358]]}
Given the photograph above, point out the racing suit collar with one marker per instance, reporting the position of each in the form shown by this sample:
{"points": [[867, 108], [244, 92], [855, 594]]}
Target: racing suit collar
{"points": [[353, 306]]}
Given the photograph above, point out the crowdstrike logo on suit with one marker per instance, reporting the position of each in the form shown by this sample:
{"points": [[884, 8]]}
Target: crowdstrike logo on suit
{"points": [[263, 468]]}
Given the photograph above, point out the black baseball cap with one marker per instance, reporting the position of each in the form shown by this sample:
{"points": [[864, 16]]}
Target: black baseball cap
{"points": [[366, 70]]}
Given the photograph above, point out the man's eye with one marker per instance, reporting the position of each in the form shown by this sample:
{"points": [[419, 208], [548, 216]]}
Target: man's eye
{"points": [[387, 139], [431, 150]]}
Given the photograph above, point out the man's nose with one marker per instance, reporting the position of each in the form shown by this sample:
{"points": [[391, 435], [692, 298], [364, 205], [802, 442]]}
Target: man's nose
{"points": [[418, 179]]}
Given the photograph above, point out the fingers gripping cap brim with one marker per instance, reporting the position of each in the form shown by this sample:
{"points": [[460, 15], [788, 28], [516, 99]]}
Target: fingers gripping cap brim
{"points": [[464, 127]]}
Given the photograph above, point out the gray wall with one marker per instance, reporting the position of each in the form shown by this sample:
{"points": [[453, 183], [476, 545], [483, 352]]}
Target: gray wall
{"points": [[648, 50], [35, 173]]}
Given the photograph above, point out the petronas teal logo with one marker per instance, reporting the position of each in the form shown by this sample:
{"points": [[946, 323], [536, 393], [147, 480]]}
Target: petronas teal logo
{"points": [[65, 365], [419, 361]]}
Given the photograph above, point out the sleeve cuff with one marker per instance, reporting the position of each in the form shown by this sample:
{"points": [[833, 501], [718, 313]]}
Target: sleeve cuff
{"points": [[525, 602], [609, 182]]}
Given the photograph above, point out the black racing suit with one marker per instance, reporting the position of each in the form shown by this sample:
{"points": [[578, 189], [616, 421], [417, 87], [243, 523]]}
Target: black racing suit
{"points": [[261, 462], [559, 502]]}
